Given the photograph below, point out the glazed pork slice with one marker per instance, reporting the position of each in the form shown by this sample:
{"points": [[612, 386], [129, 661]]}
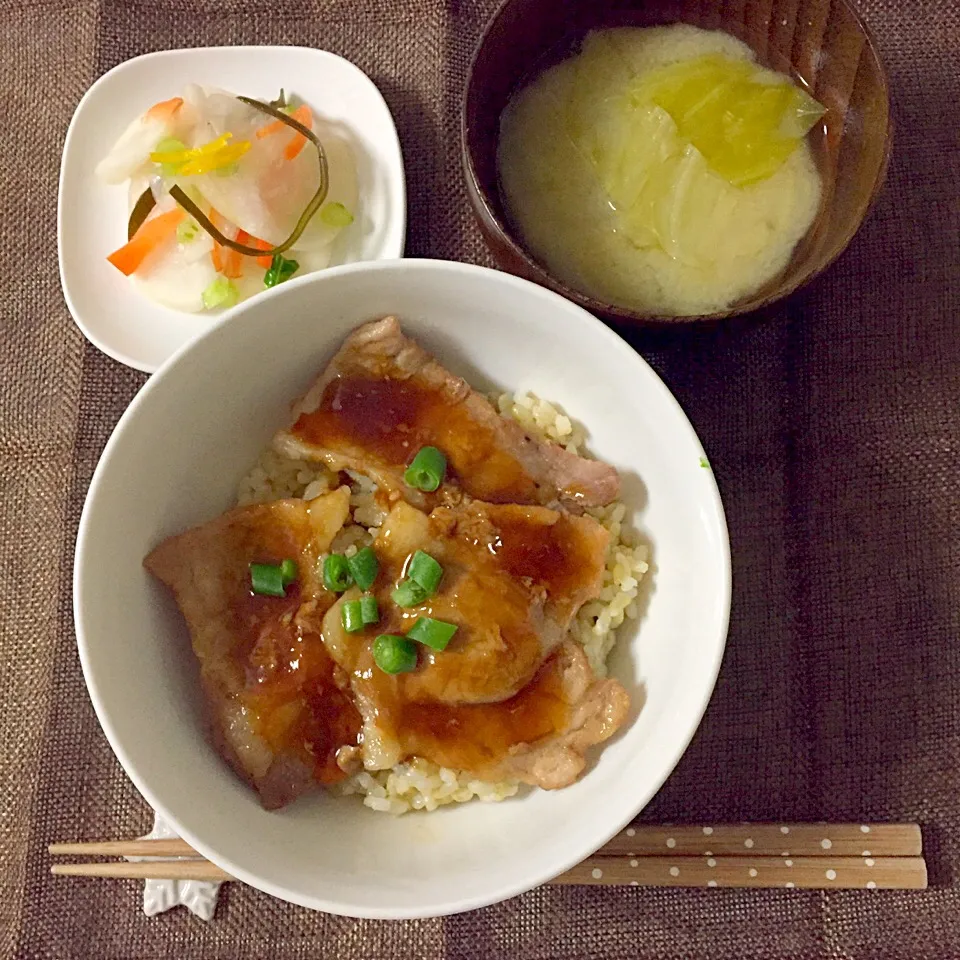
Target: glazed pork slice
{"points": [[592, 711], [570, 708], [508, 696], [280, 710], [383, 397]]}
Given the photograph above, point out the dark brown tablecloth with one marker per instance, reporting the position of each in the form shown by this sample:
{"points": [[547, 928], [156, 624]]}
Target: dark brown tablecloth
{"points": [[834, 429]]}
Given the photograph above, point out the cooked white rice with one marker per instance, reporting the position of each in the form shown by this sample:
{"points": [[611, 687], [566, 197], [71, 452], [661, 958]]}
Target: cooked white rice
{"points": [[419, 784]]}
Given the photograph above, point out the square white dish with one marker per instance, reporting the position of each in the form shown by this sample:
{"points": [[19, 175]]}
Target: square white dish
{"points": [[92, 216]]}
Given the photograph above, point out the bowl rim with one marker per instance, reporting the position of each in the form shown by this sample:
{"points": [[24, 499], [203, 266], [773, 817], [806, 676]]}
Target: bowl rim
{"points": [[720, 617], [491, 220]]}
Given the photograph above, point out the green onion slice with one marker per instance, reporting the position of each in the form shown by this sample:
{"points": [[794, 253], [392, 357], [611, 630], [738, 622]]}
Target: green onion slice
{"points": [[280, 269], [426, 470], [288, 570], [335, 214], [425, 571], [408, 593], [336, 573], [351, 616], [266, 580], [364, 567], [187, 231], [393, 654], [220, 293], [316, 201], [141, 210], [369, 611], [433, 633], [170, 145]]}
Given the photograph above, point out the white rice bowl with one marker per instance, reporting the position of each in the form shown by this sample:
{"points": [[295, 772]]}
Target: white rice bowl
{"points": [[174, 461]]}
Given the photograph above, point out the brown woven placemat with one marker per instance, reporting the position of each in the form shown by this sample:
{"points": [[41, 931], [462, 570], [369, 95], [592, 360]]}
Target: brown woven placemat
{"points": [[833, 428]]}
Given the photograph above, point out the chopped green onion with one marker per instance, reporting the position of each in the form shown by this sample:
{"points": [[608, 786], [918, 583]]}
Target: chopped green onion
{"points": [[227, 170], [434, 633], [280, 269], [427, 470], [141, 210], [393, 654], [364, 567], [266, 579], [425, 571], [335, 214], [288, 570], [336, 573], [351, 616], [369, 611], [220, 293], [170, 145], [409, 593], [187, 231]]}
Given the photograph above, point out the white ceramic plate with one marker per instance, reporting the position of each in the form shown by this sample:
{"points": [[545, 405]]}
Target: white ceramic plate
{"points": [[92, 217], [174, 460]]}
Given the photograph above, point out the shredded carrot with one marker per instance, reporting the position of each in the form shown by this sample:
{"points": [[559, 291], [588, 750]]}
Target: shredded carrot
{"points": [[304, 114], [299, 141], [152, 234], [216, 254], [233, 259], [263, 245], [225, 259], [228, 261], [165, 110], [275, 126]]}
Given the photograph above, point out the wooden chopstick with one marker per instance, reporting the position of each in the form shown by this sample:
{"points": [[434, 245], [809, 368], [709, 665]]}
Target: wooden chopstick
{"points": [[891, 873], [756, 840], [769, 840], [155, 870], [800, 855], [125, 848]]}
